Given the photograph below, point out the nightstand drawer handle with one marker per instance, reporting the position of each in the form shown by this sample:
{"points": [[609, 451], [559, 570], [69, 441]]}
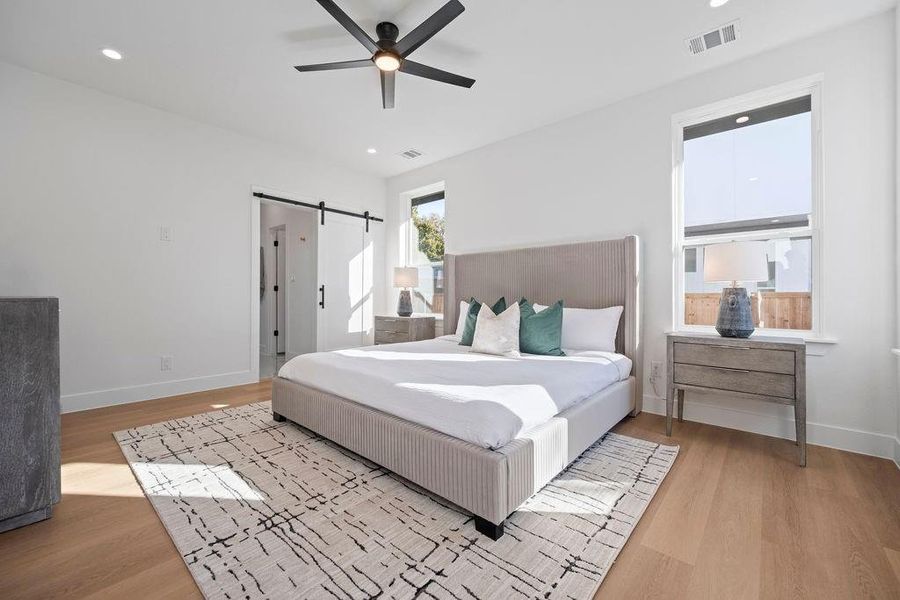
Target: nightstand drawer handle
{"points": [[715, 368]]}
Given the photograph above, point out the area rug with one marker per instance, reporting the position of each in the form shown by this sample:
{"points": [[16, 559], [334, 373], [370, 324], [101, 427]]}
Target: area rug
{"points": [[260, 509]]}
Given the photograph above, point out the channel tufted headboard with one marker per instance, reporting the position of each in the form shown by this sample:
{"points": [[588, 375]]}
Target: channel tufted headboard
{"points": [[583, 275]]}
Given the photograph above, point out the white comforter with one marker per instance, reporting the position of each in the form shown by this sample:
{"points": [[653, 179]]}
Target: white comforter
{"points": [[482, 399]]}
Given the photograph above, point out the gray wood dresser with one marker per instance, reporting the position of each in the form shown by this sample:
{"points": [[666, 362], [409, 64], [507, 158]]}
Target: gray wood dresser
{"points": [[761, 368], [392, 330], [29, 410]]}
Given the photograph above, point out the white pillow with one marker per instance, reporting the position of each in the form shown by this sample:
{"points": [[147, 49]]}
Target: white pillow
{"points": [[497, 334], [461, 322], [589, 328]]}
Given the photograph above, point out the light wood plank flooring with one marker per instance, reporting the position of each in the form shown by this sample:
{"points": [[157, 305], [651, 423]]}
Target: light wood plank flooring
{"points": [[735, 518]]}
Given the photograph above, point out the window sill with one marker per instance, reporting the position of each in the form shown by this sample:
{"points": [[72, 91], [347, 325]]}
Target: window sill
{"points": [[815, 345]]}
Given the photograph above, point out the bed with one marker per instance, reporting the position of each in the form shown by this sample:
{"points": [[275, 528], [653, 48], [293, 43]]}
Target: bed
{"points": [[418, 410]]}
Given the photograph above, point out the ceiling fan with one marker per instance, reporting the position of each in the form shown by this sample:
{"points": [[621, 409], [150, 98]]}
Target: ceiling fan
{"points": [[389, 55]]}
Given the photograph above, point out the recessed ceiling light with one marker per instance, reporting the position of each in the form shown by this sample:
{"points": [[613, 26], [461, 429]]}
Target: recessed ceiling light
{"points": [[111, 53], [776, 220], [742, 120], [371, 150], [717, 3], [754, 179]]}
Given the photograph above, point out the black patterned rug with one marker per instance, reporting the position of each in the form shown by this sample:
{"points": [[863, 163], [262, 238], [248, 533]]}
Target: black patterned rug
{"points": [[260, 509]]}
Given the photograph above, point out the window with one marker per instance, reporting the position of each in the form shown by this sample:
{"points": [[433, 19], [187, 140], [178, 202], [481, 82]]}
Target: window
{"points": [[426, 251], [690, 260], [747, 170]]}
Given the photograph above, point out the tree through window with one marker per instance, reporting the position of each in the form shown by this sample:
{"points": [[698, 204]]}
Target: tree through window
{"points": [[427, 252]]}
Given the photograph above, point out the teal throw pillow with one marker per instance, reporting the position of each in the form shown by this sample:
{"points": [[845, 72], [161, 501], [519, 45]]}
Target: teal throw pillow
{"points": [[541, 332]]}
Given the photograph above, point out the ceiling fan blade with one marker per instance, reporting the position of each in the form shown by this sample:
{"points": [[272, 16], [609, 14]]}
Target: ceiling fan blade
{"points": [[420, 70], [428, 28], [349, 24], [388, 83], [347, 64]]}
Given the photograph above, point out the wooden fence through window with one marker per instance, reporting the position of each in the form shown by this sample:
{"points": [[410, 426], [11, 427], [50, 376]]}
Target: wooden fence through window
{"points": [[771, 310]]}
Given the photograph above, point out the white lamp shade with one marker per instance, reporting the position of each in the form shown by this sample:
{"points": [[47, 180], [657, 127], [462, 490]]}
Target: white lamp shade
{"points": [[406, 277], [735, 261]]}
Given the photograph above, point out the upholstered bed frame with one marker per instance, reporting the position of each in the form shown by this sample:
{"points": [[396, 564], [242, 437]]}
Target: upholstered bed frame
{"points": [[492, 484]]}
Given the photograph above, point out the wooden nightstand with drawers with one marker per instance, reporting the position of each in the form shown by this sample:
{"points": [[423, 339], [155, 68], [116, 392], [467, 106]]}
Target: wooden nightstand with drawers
{"points": [[761, 368], [392, 330]]}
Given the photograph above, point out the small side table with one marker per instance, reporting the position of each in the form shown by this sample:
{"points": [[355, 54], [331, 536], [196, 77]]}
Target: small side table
{"points": [[393, 330], [761, 368]]}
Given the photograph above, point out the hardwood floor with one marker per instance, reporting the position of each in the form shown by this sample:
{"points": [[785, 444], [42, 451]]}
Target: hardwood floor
{"points": [[735, 518]]}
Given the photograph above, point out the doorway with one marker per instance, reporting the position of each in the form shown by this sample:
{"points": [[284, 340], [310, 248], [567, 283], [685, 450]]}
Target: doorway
{"points": [[287, 284]]}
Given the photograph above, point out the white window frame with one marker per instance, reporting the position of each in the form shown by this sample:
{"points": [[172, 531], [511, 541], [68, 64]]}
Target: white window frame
{"points": [[409, 235], [810, 86]]}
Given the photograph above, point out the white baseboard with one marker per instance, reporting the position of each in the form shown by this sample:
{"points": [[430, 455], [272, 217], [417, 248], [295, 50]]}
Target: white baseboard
{"points": [[843, 438], [152, 391], [897, 452]]}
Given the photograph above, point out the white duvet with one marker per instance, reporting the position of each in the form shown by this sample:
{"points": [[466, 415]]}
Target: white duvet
{"points": [[482, 399]]}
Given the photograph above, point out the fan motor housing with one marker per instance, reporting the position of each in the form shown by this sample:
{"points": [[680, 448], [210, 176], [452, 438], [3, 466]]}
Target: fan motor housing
{"points": [[387, 32]]}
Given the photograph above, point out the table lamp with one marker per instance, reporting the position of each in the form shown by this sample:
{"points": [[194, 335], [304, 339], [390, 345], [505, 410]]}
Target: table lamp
{"points": [[735, 262], [405, 278]]}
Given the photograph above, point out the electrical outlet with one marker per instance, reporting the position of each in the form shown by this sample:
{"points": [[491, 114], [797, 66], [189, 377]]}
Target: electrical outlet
{"points": [[655, 370], [166, 363]]}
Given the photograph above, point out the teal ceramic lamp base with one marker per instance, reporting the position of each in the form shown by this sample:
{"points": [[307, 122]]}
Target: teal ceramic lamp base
{"points": [[404, 305], [735, 314]]}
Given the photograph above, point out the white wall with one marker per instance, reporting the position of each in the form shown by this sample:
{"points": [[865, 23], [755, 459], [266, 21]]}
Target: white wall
{"points": [[897, 238], [87, 180], [608, 173], [300, 284]]}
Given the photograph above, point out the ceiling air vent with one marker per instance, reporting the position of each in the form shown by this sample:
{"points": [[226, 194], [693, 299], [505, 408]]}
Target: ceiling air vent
{"points": [[725, 34], [410, 154]]}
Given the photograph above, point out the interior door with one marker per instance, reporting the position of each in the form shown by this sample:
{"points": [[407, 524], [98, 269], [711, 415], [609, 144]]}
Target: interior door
{"points": [[345, 261], [280, 289]]}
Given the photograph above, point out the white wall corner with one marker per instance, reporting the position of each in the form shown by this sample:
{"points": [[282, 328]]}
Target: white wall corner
{"points": [[152, 391], [842, 438]]}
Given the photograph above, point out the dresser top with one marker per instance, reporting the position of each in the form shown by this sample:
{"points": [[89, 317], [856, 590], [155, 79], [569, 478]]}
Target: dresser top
{"points": [[411, 317], [753, 340]]}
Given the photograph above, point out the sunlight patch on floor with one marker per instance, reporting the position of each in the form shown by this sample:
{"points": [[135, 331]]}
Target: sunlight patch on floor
{"points": [[99, 479], [577, 497], [117, 480], [194, 481]]}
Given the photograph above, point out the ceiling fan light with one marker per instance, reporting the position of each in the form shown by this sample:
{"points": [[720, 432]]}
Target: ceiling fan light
{"points": [[387, 61]]}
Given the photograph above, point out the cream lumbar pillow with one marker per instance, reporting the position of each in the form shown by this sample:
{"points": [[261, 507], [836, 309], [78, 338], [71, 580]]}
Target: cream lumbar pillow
{"points": [[497, 334]]}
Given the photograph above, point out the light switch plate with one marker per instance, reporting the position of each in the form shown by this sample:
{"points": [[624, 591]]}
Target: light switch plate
{"points": [[165, 233]]}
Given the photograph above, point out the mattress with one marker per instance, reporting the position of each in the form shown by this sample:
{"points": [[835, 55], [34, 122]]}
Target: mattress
{"points": [[484, 400]]}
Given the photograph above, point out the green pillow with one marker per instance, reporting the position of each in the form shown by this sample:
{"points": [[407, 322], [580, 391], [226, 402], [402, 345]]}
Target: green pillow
{"points": [[541, 332], [468, 333]]}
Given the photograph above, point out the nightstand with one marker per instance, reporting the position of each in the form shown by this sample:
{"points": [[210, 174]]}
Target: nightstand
{"points": [[393, 330], [761, 368]]}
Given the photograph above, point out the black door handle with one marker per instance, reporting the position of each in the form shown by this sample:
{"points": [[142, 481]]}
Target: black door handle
{"points": [[322, 291]]}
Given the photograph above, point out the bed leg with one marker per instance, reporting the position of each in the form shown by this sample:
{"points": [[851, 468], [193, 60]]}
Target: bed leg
{"points": [[278, 418], [485, 527]]}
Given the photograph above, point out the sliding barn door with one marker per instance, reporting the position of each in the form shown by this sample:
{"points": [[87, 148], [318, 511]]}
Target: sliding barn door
{"points": [[345, 280]]}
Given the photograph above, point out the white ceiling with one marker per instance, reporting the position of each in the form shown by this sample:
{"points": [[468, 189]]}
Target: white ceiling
{"points": [[229, 62]]}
